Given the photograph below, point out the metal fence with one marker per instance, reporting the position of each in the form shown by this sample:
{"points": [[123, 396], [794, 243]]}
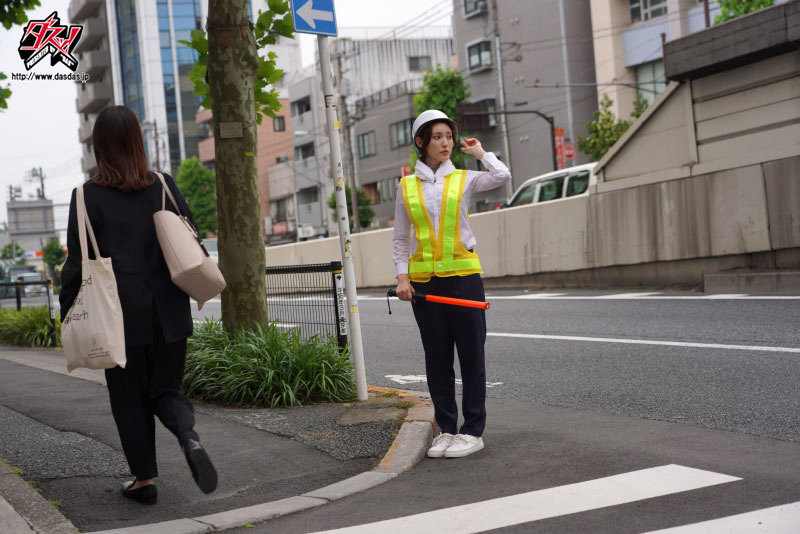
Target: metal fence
{"points": [[308, 298]]}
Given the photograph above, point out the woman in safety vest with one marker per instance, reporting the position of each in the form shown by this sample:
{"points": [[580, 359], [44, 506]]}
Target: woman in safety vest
{"points": [[438, 258]]}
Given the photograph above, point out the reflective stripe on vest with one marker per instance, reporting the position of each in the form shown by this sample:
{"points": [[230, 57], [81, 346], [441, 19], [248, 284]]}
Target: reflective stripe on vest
{"points": [[442, 255]]}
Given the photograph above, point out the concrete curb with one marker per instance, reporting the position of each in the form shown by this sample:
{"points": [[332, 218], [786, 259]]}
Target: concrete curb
{"points": [[408, 448], [23, 510]]}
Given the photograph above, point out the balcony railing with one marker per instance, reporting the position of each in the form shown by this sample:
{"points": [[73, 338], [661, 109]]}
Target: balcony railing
{"points": [[88, 163], [93, 97], [306, 173], [94, 28], [85, 131], [94, 62], [80, 9]]}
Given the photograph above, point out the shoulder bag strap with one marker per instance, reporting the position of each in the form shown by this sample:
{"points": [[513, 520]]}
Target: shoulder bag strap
{"points": [[165, 190], [83, 225]]}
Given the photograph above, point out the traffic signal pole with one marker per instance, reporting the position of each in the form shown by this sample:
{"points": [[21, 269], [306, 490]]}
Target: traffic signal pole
{"points": [[334, 125]]}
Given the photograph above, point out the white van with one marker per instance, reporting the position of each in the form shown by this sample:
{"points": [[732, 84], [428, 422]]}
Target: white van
{"points": [[569, 182]]}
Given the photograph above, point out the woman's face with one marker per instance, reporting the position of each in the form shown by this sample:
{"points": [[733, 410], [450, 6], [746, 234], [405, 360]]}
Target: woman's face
{"points": [[440, 147]]}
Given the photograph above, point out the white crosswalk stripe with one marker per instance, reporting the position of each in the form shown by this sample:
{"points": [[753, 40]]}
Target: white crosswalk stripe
{"points": [[552, 502], [783, 519]]}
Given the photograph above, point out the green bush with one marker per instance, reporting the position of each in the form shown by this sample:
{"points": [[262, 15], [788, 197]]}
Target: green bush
{"points": [[265, 367], [29, 327]]}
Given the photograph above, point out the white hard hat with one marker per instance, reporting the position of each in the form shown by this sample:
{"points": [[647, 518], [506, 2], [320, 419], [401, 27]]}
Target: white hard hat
{"points": [[427, 116]]}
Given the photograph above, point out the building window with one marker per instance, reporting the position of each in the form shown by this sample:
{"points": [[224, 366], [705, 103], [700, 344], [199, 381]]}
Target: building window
{"points": [[372, 192], [278, 124], [400, 133], [308, 195], [479, 55], [419, 63], [647, 9], [303, 151], [473, 7], [650, 80], [387, 189], [366, 145], [301, 106]]}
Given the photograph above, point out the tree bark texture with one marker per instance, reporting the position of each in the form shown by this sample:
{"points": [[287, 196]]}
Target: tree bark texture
{"points": [[232, 67]]}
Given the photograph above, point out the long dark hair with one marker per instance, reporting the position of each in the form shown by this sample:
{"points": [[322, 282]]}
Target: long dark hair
{"points": [[119, 150], [426, 132]]}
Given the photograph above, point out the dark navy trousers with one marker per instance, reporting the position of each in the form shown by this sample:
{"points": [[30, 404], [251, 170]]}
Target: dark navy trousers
{"points": [[150, 384], [443, 328]]}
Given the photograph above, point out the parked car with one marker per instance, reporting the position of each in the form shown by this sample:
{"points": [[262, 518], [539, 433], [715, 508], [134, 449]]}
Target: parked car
{"points": [[211, 247], [570, 182], [33, 289], [11, 273]]}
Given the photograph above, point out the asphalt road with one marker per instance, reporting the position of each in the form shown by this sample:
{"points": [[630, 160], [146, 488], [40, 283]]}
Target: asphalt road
{"points": [[601, 385], [720, 381]]}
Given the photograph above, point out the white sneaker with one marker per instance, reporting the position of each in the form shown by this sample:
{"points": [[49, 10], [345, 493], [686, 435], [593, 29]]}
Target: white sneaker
{"points": [[440, 444], [463, 445]]}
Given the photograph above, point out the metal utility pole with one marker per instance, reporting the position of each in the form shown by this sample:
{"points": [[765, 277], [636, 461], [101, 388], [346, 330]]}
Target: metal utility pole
{"points": [[502, 89], [565, 59], [348, 147], [706, 14], [334, 125], [38, 175]]}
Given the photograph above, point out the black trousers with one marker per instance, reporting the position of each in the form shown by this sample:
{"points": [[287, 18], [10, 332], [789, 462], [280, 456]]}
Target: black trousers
{"points": [[442, 328], [150, 385]]}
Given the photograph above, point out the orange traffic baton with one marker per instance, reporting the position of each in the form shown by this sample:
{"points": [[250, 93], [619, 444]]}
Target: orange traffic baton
{"points": [[418, 297]]}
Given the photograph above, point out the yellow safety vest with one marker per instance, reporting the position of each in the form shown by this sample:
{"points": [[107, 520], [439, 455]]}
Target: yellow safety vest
{"points": [[442, 254]]}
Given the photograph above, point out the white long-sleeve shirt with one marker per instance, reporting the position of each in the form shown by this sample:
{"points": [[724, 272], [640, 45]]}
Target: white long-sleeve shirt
{"points": [[432, 189]]}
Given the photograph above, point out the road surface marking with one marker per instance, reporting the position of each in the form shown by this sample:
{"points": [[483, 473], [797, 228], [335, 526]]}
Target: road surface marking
{"points": [[416, 379], [760, 348], [552, 502], [619, 296], [623, 296], [783, 519]]}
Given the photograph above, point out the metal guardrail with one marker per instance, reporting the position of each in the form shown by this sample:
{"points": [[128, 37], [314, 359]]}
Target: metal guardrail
{"points": [[18, 292], [309, 298]]}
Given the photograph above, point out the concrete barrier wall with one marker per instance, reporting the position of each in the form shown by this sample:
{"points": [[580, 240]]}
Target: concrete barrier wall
{"points": [[720, 214]]}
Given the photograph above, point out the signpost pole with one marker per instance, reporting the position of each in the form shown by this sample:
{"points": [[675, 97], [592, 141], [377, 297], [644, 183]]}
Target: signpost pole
{"points": [[341, 216]]}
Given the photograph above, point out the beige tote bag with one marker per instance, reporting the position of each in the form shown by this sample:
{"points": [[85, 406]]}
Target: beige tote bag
{"points": [[190, 266], [92, 332]]}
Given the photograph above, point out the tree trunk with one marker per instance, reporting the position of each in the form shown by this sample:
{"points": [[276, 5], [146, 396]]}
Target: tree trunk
{"points": [[232, 67]]}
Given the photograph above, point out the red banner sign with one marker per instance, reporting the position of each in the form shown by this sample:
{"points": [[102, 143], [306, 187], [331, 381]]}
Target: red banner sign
{"points": [[559, 132]]}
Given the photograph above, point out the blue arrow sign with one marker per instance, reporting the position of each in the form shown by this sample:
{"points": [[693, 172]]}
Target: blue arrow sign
{"points": [[314, 16]]}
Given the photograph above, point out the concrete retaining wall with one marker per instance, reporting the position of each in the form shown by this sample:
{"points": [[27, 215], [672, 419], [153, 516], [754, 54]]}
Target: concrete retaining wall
{"points": [[664, 233]]}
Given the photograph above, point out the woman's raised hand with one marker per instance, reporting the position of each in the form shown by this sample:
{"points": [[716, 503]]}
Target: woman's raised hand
{"points": [[472, 146]]}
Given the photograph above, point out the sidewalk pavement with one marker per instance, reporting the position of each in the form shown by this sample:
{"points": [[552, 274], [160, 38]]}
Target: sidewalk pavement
{"points": [[60, 445]]}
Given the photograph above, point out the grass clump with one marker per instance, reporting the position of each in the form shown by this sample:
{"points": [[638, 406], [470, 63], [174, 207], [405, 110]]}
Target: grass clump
{"points": [[265, 367], [29, 327]]}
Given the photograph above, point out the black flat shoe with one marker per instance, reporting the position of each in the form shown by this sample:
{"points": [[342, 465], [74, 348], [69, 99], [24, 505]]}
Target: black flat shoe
{"points": [[202, 469], [144, 494]]}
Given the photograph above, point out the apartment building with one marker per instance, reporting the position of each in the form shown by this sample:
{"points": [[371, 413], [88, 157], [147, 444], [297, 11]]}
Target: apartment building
{"points": [[547, 65], [628, 38], [383, 145], [374, 62]]}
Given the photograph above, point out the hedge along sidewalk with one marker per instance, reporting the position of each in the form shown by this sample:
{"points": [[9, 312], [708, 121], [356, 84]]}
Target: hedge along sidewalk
{"points": [[28, 327]]}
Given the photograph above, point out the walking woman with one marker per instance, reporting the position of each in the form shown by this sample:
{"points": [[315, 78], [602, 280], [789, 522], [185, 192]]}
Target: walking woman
{"points": [[120, 202], [438, 257]]}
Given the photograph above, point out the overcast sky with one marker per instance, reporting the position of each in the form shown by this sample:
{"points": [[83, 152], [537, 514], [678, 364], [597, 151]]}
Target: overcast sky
{"points": [[40, 126]]}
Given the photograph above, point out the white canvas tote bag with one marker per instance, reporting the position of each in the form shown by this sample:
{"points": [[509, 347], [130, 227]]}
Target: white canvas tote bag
{"points": [[190, 266], [92, 333]]}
